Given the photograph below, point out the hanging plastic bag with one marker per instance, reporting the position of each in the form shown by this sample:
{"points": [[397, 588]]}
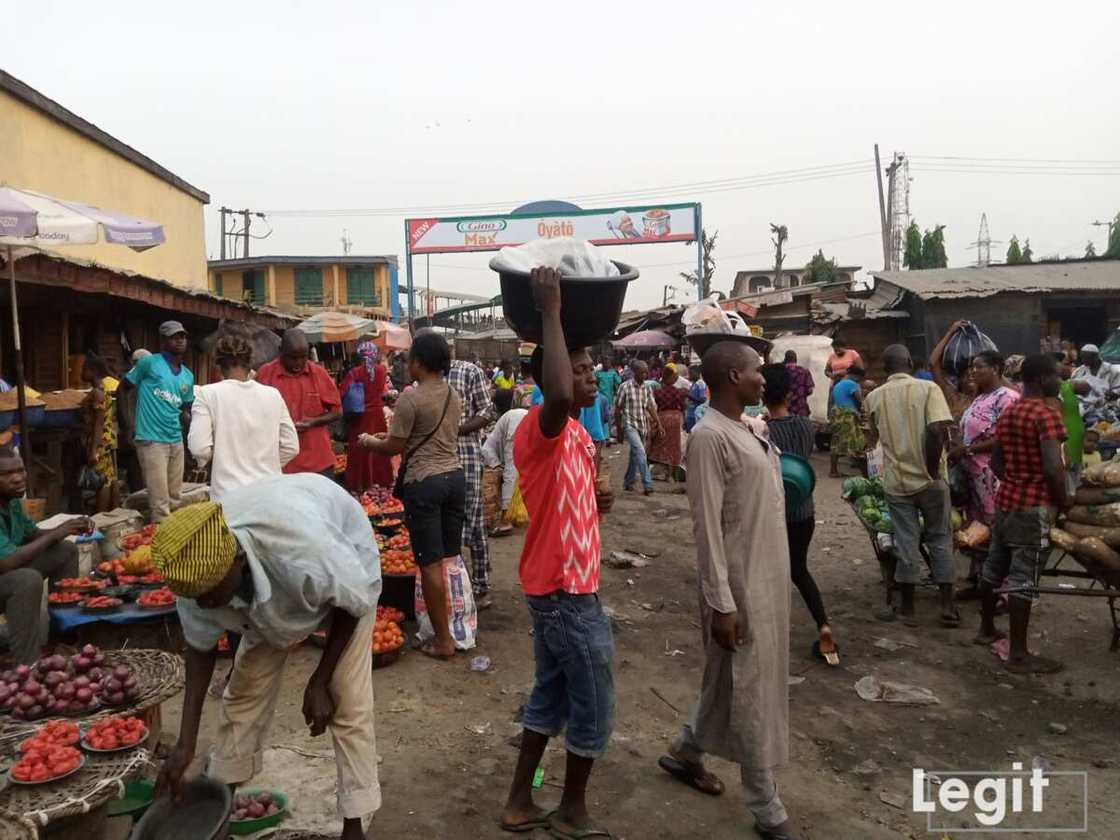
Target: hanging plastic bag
{"points": [[518, 514], [354, 400], [460, 606], [966, 343], [89, 480]]}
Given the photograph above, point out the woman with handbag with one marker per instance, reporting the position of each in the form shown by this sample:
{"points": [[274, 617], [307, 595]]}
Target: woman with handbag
{"points": [[430, 481], [362, 389]]}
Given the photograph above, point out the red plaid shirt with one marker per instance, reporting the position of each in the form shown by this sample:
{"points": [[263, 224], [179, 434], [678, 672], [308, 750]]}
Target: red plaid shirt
{"points": [[1020, 431]]}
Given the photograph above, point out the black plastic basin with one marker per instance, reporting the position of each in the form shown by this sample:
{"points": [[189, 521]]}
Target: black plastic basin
{"points": [[589, 306], [203, 814]]}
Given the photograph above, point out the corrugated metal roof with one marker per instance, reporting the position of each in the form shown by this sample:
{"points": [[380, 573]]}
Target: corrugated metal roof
{"points": [[1069, 276]]}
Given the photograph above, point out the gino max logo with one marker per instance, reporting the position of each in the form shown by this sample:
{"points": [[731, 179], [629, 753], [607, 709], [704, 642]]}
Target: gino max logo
{"points": [[481, 226]]}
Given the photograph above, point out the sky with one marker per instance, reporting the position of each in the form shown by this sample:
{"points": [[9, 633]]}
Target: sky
{"points": [[1005, 109]]}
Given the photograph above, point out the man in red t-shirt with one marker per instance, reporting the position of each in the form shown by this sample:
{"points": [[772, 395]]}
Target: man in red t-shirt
{"points": [[572, 643], [312, 400], [1028, 461]]}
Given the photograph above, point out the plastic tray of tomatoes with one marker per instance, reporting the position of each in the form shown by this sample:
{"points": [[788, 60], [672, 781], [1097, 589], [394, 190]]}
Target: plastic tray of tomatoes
{"points": [[39, 765], [82, 584], [156, 599], [115, 734], [55, 733], [101, 604], [398, 562], [387, 644], [390, 614]]}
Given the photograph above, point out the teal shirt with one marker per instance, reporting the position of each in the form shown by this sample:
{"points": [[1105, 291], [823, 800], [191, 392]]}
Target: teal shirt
{"points": [[609, 382], [161, 396], [15, 528]]}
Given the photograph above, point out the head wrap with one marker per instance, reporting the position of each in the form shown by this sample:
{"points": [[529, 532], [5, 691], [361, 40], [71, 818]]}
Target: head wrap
{"points": [[369, 353], [194, 549], [1012, 365], [1090, 348]]}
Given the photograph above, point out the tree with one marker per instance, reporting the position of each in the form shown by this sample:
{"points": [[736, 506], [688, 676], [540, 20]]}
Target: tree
{"points": [[1113, 249], [912, 258], [781, 234], [820, 269], [933, 248], [708, 244], [1090, 250], [1028, 254], [1014, 253]]}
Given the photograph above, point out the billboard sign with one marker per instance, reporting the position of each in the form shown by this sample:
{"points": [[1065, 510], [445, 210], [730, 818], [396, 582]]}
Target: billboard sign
{"points": [[642, 225]]}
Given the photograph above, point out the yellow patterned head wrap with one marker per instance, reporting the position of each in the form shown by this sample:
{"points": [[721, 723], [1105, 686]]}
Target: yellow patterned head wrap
{"points": [[194, 549]]}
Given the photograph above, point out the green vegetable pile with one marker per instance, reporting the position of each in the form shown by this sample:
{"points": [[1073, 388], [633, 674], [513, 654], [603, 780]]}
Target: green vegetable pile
{"points": [[870, 503]]}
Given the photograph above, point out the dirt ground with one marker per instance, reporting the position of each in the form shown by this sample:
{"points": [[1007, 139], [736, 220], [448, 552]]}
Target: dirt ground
{"points": [[446, 734]]}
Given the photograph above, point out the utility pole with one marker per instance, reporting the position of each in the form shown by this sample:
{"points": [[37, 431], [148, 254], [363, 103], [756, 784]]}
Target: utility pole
{"points": [[245, 222], [222, 213], [898, 207], [882, 211]]}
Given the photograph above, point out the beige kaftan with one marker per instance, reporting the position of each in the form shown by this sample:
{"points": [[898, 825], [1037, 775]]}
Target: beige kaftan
{"points": [[738, 510]]}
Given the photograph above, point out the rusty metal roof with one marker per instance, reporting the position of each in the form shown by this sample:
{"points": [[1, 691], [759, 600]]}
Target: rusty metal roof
{"points": [[1098, 275]]}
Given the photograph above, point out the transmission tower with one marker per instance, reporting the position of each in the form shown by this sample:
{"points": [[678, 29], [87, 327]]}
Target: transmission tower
{"points": [[983, 243], [898, 206]]}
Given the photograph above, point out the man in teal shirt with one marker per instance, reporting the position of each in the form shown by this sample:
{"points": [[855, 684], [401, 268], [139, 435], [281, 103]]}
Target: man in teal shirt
{"points": [[165, 391], [28, 556]]}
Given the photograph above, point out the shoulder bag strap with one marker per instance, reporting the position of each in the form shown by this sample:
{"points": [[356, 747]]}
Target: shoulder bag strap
{"points": [[428, 436]]}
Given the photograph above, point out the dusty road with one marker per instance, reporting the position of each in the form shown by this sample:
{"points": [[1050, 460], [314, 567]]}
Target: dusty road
{"points": [[444, 733]]}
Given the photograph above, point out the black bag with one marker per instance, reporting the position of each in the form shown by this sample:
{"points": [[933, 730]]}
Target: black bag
{"points": [[398, 485], [966, 342]]}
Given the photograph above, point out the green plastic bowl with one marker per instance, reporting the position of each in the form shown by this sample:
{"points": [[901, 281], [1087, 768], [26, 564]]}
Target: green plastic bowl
{"points": [[260, 823], [798, 479], [137, 797]]}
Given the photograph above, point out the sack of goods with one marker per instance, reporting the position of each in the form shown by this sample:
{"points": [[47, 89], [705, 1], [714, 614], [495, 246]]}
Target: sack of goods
{"points": [[592, 289], [966, 342]]}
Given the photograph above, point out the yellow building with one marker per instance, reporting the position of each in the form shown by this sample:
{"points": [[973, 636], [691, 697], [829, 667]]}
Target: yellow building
{"points": [[365, 285], [48, 149]]}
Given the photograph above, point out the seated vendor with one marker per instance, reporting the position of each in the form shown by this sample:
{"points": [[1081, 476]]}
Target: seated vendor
{"points": [[28, 556], [276, 561]]}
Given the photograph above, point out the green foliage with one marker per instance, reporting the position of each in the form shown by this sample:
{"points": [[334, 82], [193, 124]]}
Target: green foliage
{"points": [[709, 245], [912, 257], [1090, 250], [1028, 254], [821, 269], [1014, 252], [1113, 249], [933, 248]]}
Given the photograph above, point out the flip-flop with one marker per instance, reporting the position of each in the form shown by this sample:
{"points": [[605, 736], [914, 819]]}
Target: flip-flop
{"points": [[951, 620], [767, 834], [687, 774], [831, 657], [579, 833], [1034, 665], [986, 641], [529, 825], [429, 651]]}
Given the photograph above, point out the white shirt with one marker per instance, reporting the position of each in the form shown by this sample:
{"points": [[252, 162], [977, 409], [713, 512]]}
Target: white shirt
{"points": [[1106, 379], [309, 550], [245, 429], [497, 451]]}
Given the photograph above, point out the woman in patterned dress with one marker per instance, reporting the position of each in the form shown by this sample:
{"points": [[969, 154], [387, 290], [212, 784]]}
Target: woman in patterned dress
{"points": [[101, 429]]}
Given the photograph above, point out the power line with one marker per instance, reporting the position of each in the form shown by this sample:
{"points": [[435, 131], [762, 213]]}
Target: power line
{"points": [[696, 187], [1011, 160]]}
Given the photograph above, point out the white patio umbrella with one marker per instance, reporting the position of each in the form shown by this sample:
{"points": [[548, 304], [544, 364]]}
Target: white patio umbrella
{"points": [[31, 221]]}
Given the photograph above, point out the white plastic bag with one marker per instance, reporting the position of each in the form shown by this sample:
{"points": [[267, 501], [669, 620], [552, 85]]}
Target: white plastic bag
{"points": [[571, 257], [460, 606]]}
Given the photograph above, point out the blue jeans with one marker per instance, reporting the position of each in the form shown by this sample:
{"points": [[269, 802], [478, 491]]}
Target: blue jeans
{"points": [[638, 463], [935, 508], [573, 686]]}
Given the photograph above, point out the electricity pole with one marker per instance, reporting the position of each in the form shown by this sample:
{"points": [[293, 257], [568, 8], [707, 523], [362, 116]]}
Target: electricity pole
{"points": [[230, 232], [882, 212], [1110, 226]]}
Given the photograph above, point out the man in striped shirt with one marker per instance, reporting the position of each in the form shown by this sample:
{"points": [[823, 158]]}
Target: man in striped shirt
{"points": [[636, 413]]}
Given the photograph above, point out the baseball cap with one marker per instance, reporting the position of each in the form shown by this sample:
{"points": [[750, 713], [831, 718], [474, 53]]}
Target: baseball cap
{"points": [[1090, 348], [170, 328]]}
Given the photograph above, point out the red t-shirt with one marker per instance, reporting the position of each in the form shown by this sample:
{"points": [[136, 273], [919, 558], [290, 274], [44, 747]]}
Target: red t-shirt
{"points": [[307, 394], [557, 480]]}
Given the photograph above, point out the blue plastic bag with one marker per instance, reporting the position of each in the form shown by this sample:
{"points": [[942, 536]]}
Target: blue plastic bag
{"points": [[354, 400]]}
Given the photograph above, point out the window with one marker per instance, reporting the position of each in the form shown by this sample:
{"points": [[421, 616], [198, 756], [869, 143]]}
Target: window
{"points": [[759, 282], [252, 286], [309, 287], [360, 287], [219, 286]]}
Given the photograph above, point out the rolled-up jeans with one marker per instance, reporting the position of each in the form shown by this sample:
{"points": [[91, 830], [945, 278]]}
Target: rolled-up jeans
{"points": [[638, 463], [162, 465], [934, 506]]}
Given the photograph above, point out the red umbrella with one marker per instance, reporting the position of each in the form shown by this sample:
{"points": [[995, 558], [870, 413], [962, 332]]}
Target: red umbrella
{"points": [[646, 340]]}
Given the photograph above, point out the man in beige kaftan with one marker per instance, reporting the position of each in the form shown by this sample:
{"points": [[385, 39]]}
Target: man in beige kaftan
{"points": [[738, 508]]}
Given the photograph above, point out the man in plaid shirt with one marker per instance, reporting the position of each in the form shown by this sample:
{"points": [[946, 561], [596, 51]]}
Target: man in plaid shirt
{"points": [[636, 413], [1028, 461], [469, 382]]}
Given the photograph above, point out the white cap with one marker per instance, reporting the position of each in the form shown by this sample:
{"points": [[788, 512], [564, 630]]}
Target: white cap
{"points": [[1090, 348]]}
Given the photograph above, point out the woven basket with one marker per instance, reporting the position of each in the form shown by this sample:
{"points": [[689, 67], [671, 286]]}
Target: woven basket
{"points": [[15, 827], [102, 778]]}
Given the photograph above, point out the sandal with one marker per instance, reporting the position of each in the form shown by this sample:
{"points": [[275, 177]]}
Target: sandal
{"points": [[832, 657], [579, 833], [693, 775], [769, 834], [429, 650], [544, 821], [987, 641], [1034, 665], [500, 532], [952, 619]]}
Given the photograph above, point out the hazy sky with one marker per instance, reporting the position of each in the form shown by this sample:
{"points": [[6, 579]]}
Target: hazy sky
{"points": [[310, 105]]}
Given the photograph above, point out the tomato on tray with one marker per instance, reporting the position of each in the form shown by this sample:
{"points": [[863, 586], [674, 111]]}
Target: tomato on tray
{"points": [[101, 603], [82, 584], [115, 733], [45, 764], [156, 599], [55, 733], [65, 598]]}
